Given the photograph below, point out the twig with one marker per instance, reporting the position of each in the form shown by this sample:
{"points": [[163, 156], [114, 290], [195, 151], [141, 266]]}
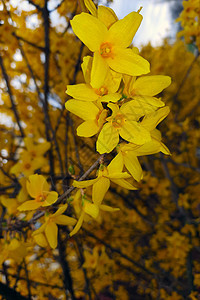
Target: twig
{"points": [[14, 108], [65, 267]]}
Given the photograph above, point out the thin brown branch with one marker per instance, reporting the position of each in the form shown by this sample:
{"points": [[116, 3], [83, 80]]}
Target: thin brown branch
{"points": [[20, 38], [14, 107], [67, 280]]}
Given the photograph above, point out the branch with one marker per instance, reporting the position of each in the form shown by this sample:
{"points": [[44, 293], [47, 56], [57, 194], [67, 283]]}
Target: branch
{"points": [[28, 42], [14, 108], [65, 267]]}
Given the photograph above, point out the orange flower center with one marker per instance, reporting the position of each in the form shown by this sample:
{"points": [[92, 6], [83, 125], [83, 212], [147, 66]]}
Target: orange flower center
{"points": [[101, 91], [33, 153], [27, 166], [106, 50], [118, 121], [41, 198]]}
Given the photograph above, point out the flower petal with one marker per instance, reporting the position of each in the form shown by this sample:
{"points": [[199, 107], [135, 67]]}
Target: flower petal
{"points": [[84, 183], [133, 166], [51, 198], [108, 208], [88, 128], [135, 133], [82, 92], [149, 148], [78, 224], [91, 209], [116, 175], [87, 67], [29, 205], [151, 85], [51, 232], [41, 240], [35, 184], [152, 120], [111, 97], [65, 220], [84, 110], [116, 164], [121, 33], [127, 62], [106, 15], [99, 190], [89, 30], [125, 184], [61, 210], [133, 110], [107, 139], [99, 70], [40, 230], [147, 101], [91, 7]]}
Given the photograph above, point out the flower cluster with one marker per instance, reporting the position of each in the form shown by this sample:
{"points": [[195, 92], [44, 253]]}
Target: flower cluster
{"points": [[190, 22], [117, 101]]}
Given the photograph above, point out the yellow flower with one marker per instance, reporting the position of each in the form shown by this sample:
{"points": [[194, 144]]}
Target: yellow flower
{"points": [[92, 209], [50, 227], [145, 85], [38, 188], [93, 114], [105, 93], [36, 149], [144, 88], [123, 122], [110, 45], [128, 153], [113, 172], [13, 249], [27, 165]]}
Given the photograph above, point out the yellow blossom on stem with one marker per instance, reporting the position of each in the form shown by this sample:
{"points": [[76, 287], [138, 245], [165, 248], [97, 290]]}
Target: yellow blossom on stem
{"points": [[124, 121], [91, 209], [50, 227], [100, 185], [85, 91], [128, 153], [110, 45], [144, 88], [38, 188]]}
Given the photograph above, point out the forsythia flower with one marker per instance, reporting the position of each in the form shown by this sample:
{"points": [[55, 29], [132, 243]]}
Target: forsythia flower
{"points": [[128, 153], [113, 172], [50, 227], [92, 209], [144, 88], [14, 249], [110, 45], [38, 188], [85, 91], [123, 122]]}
